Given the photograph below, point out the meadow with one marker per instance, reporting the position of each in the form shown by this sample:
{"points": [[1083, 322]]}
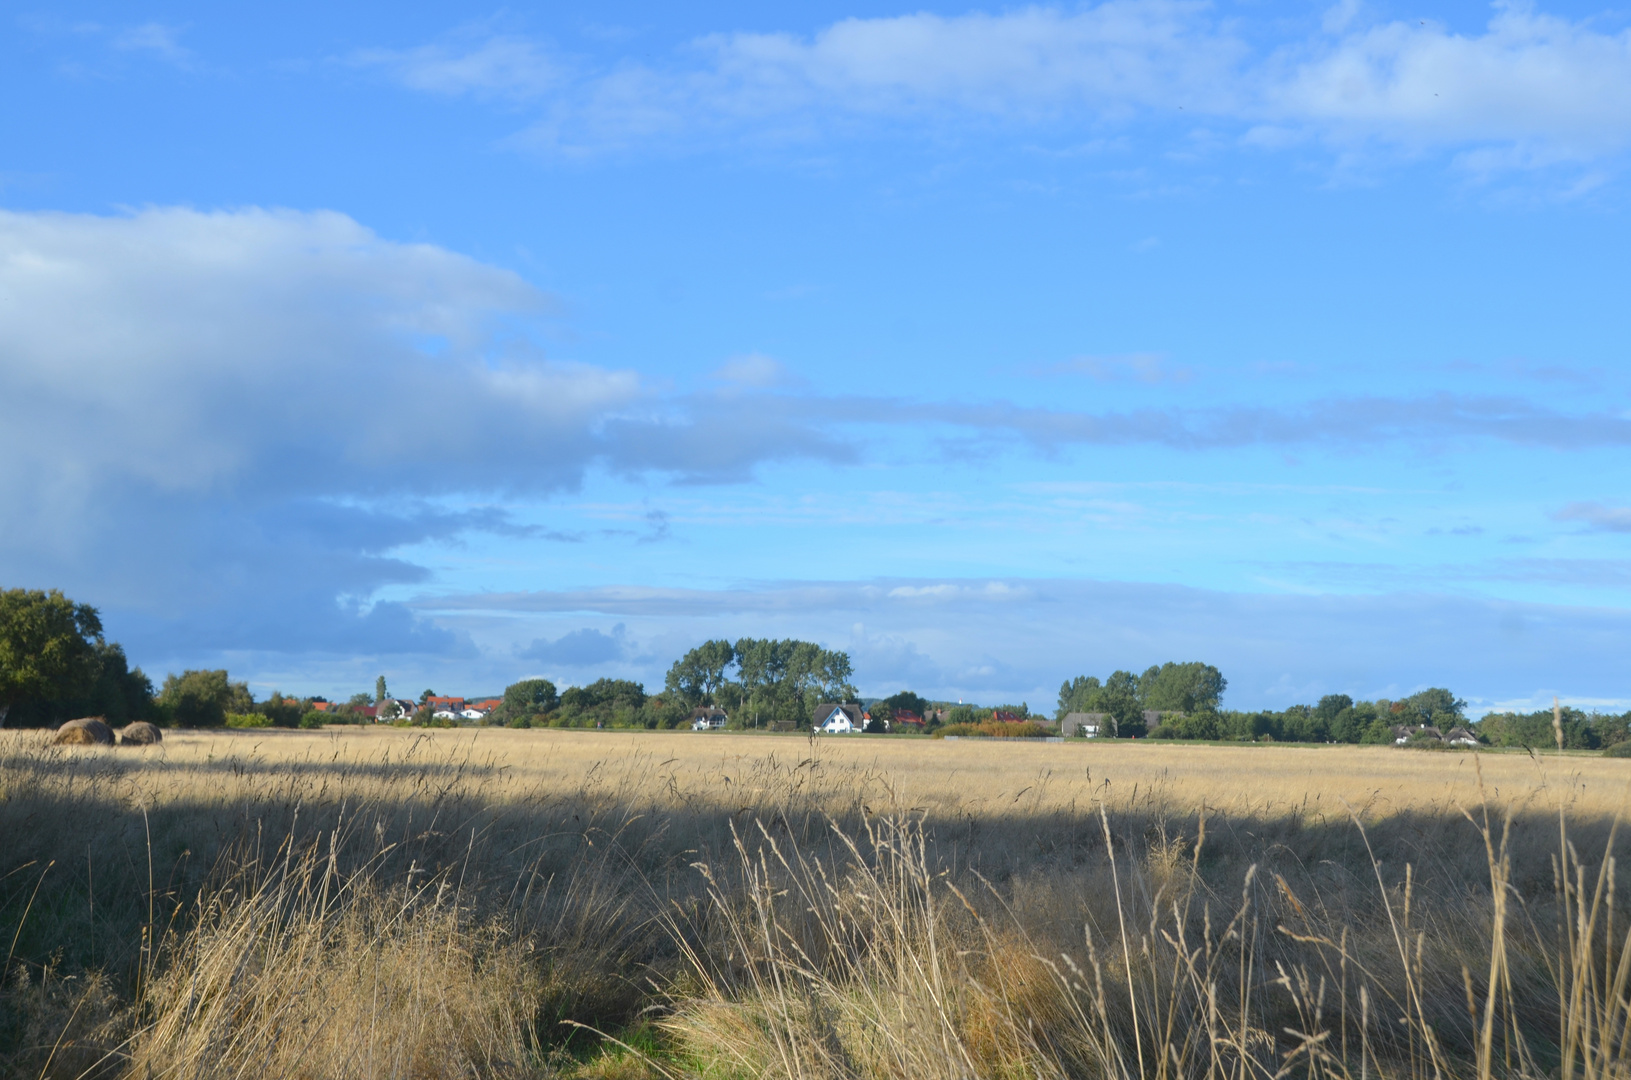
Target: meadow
{"points": [[497, 903]]}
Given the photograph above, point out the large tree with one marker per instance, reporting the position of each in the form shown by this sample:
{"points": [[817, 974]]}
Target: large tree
{"points": [[526, 699], [697, 677], [1120, 698], [48, 647], [1080, 694], [203, 698], [1185, 688]]}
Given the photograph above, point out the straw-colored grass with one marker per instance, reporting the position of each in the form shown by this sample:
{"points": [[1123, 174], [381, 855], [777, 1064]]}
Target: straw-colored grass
{"points": [[389, 903]]}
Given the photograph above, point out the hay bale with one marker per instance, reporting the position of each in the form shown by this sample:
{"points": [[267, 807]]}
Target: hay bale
{"points": [[141, 733], [86, 731]]}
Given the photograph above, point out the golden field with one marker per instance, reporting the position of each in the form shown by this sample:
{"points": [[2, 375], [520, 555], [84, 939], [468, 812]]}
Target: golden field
{"points": [[906, 773], [403, 902]]}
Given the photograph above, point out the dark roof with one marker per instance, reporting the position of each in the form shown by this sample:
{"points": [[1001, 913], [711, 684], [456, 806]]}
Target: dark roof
{"points": [[824, 711]]}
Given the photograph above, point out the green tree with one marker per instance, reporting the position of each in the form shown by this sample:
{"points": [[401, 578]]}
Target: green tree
{"points": [[1120, 698], [697, 677], [48, 647], [282, 711], [1332, 705], [120, 693], [1186, 688], [380, 692], [525, 700], [906, 701], [1080, 694], [1422, 706], [203, 698]]}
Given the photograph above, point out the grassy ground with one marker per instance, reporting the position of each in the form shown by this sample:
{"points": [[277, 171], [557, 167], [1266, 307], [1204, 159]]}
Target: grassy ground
{"points": [[388, 902]]}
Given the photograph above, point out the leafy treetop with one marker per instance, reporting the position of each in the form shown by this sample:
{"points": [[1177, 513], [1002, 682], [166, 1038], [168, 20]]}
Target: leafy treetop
{"points": [[48, 646]]}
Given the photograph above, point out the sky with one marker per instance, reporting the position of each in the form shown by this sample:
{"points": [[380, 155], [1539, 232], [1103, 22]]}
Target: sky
{"points": [[993, 345]]}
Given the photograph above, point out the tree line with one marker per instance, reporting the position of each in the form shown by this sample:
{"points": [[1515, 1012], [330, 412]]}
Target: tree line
{"points": [[756, 682], [56, 664]]}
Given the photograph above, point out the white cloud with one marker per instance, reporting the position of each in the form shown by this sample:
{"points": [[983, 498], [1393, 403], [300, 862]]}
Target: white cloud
{"points": [[1532, 80], [1530, 89], [1118, 54], [223, 423], [501, 66], [156, 38], [227, 352], [754, 370]]}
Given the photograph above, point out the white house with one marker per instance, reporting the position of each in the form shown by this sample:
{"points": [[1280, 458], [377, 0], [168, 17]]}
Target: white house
{"points": [[1084, 725], [706, 719], [834, 719], [394, 709]]}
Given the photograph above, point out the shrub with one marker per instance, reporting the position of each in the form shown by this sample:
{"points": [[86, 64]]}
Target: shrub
{"points": [[248, 720], [313, 719], [1619, 749], [282, 711], [1024, 730]]}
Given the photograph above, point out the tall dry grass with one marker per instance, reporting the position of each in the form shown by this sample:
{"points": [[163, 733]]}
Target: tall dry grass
{"points": [[427, 907]]}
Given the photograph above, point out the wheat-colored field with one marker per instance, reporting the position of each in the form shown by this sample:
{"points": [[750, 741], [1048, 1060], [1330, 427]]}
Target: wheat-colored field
{"points": [[982, 777], [388, 902]]}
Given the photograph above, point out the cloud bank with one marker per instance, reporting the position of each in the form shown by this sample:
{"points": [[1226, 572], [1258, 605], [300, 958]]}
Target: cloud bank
{"points": [[226, 426], [1014, 639]]}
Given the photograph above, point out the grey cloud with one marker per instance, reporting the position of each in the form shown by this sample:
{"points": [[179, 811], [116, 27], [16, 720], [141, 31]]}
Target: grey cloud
{"points": [[1150, 368], [579, 649], [1446, 419], [267, 403], [1597, 517], [1609, 573]]}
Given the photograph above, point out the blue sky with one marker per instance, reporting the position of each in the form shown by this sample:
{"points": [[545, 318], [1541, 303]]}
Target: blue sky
{"points": [[995, 345]]}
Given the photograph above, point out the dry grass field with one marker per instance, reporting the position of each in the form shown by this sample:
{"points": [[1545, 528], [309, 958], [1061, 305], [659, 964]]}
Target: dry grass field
{"points": [[407, 903]]}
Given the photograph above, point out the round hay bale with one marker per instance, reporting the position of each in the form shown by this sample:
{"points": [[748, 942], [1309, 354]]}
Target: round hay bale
{"points": [[141, 733], [86, 731]]}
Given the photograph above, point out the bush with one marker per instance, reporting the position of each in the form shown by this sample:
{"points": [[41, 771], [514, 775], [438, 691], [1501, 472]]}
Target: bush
{"points": [[247, 720], [313, 719], [1025, 730], [282, 711], [1619, 749]]}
